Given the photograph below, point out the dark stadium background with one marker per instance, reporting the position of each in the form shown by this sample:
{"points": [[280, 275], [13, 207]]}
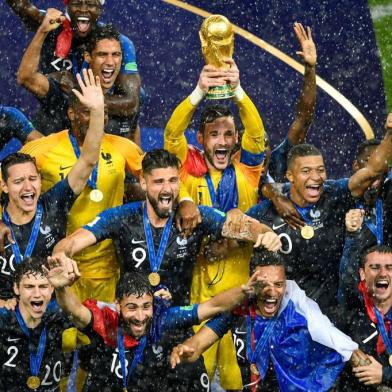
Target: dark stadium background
{"points": [[169, 59]]}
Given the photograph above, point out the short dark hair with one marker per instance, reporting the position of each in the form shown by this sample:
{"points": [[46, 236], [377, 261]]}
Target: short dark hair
{"points": [[107, 31], [263, 258], [158, 159], [384, 249], [212, 112], [30, 266], [133, 283], [363, 147], [15, 159], [302, 150]]}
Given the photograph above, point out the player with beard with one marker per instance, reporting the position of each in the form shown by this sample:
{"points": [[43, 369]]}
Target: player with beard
{"points": [[38, 221], [63, 50], [368, 322], [102, 53], [127, 337], [31, 336], [313, 253], [288, 345], [145, 235], [366, 225], [216, 177]]}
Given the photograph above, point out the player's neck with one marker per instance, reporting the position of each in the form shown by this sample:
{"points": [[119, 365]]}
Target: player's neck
{"points": [[154, 219], [30, 321], [384, 306], [298, 199], [18, 216]]}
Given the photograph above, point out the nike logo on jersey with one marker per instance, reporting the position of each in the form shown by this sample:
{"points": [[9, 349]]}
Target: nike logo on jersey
{"points": [[65, 167], [275, 227], [137, 242], [9, 339]]}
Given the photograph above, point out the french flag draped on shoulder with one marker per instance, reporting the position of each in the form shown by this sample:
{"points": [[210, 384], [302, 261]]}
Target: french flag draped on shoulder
{"points": [[307, 351]]}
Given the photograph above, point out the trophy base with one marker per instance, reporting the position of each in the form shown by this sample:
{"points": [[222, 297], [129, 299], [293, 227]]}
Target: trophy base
{"points": [[220, 92]]}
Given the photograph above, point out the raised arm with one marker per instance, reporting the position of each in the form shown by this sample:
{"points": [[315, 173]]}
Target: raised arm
{"points": [[91, 97], [28, 75], [63, 272], [74, 243], [376, 165], [28, 12], [307, 99], [174, 136]]}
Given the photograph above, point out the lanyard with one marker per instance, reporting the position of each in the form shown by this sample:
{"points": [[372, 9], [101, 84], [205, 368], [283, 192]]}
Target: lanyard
{"points": [[156, 260], [211, 190], [121, 353], [33, 235], [92, 181], [383, 331], [377, 229], [35, 358], [303, 211], [254, 352]]}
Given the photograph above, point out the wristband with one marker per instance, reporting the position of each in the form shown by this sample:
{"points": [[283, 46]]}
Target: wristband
{"points": [[197, 96]]}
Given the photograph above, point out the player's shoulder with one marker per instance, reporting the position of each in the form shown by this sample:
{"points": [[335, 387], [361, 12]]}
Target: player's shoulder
{"points": [[123, 145], [44, 144]]}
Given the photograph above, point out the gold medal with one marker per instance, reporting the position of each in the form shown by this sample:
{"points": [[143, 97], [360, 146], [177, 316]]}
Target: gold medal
{"points": [[125, 390], [307, 232], [254, 370], [390, 360], [33, 382], [154, 278], [96, 195]]}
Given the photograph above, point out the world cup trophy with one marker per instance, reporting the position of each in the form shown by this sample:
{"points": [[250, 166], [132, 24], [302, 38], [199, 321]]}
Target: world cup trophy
{"points": [[217, 43]]}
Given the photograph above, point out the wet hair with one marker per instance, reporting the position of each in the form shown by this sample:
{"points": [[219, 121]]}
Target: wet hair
{"points": [[383, 249], [11, 160], [107, 31], [362, 149], [159, 159], [264, 258], [30, 266], [302, 150], [211, 113], [133, 283]]}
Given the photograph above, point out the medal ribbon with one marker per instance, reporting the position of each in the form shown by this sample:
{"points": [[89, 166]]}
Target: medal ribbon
{"points": [[303, 211], [155, 260], [211, 190], [33, 235], [35, 358], [253, 352], [92, 181], [383, 331], [377, 229], [136, 358]]}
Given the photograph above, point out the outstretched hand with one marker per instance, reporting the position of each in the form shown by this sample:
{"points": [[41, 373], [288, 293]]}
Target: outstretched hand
{"points": [[62, 271], [179, 354], [91, 95], [269, 240], [308, 52]]}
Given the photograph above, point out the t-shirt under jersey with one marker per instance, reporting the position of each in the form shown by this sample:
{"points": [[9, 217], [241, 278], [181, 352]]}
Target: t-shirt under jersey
{"points": [[55, 158], [124, 225], [314, 263], [56, 204]]}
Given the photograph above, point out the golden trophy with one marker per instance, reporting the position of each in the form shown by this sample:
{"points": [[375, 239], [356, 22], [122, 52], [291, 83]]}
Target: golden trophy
{"points": [[217, 42]]}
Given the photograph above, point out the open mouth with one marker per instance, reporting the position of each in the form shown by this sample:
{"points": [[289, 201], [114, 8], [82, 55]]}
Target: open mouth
{"points": [[28, 197], [270, 306], [314, 190], [83, 23], [37, 306], [221, 154], [107, 74], [381, 285], [165, 200]]}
